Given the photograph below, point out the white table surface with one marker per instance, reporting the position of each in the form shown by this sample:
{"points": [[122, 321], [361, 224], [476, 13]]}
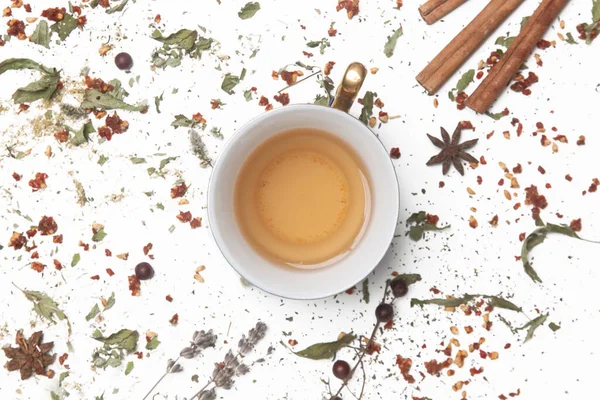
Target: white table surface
{"points": [[554, 365]]}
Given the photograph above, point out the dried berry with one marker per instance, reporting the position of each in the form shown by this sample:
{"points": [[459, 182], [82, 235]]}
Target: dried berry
{"points": [[341, 369], [399, 287], [144, 271], [123, 61], [384, 312]]}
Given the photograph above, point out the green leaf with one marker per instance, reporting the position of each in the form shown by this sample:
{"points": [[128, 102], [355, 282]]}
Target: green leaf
{"points": [[367, 110], [65, 26], [390, 45], [495, 301], [118, 7], [417, 218], [570, 39], [75, 260], [324, 351], [41, 34], [365, 291], [216, 132], [101, 397], [505, 41], [322, 100], [167, 160], [54, 396], [248, 95], [103, 159], [118, 90], [465, 80], [129, 368], [451, 95], [42, 89], [47, 308], [110, 302], [313, 44], [94, 98], [495, 116], [124, 339], [229, 82], [93, 312], [182, 120], [160, 206], [137, 160], [182, 39], [553, 326], [153, 343], [409, 279], [499, 302], [82, 135], [249, 10], [99, 235], [532, 325], [526, 19]]}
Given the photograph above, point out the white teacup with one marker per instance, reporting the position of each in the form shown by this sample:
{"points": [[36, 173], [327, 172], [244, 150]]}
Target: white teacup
{"points": [[366, 253]]}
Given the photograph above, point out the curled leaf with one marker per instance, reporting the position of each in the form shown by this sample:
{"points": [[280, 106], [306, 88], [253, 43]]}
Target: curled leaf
{"points": [[124, 339], [390, 45], [532, 325], [494, 301], [327, 350]]}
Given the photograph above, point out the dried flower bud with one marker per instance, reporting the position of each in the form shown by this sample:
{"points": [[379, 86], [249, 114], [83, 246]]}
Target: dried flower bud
{"points": [[204, 339], [207, 395], [242, 369], [173, 368], [222, 376], [188, 352], [231, 360], [254, 336]]}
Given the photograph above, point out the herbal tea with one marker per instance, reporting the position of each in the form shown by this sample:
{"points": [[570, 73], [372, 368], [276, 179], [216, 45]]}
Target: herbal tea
{"points": [[302, 198]]}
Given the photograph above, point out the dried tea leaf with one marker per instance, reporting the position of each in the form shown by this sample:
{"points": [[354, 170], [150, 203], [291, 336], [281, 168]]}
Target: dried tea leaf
{"points": [[182, 120], [495, 301], [117, 8], [505, 41], [167, 160], [182, 39], [532, 325], [553, 326], [82, 135], [99, 235], [137, 160], [216, 132], [323, 351], [103, 159], [500, 302], [595, 10], [249, 10], [367, 110], [110, 302], [42, 89], [248, 95], [495, 116], [94, 98], [465, 80], [65, 26], [409, 279], [157, 100], [93, 312], [229, 82], [47, 308], [41, 34], [124, 339], [416, 232], [390, 45], [570, 39], [199, 150], [153, 343], [129, 368], [417, 218], [365, 291], [75, 260]]}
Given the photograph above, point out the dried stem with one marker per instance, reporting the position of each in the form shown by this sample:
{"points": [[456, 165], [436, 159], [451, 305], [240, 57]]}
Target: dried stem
{"points": [[301, 80], [160, 379], [215, 377]]}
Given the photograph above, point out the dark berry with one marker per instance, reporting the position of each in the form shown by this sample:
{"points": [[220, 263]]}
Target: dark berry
{"points": [[123, 61], [399, 287], [336, 398], [144, 271], [384, 312], [341, 369]]}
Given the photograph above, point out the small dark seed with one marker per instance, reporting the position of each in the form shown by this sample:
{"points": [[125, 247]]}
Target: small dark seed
{"points": [[384, 312], [144, 271]]}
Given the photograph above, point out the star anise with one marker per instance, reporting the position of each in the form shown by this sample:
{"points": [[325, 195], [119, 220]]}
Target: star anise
{"points": [[31, 356], [452, 151]]}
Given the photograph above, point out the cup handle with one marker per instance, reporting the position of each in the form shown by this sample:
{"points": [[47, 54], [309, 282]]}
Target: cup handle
{"points": [[350, 86]]}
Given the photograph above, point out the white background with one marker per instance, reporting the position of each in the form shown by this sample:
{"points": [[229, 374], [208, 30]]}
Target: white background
{"points": [[460, 260]]}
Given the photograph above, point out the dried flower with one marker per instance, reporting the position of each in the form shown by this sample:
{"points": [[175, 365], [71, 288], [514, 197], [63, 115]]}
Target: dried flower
{"points": [[199, 149], [254, 336], [204, 339], [207, 394], [173, 368]]}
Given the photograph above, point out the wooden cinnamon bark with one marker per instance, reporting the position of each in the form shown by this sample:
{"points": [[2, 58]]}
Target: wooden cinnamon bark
{"points": [[434, 10]]}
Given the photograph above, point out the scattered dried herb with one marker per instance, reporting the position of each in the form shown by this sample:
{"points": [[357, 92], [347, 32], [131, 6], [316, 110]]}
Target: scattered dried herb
{"points": [[129, 368], [75, 260], [229, 82], [199, 149], [41, 89], [41, 34], [81, 135], [93, 312], [99, 235], [326, 350], [532, 325], [153, 343], [553, 326], [365, 291], [118, 7], [422, 224], [367, 110], [65, 26], [494, 301], [249, 10], [390, 45], [452, 151], [94, 98]]}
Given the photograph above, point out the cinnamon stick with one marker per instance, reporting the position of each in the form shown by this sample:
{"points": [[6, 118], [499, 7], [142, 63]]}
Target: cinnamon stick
{"points": [[449, 60], [434, 10], [501, 73]]}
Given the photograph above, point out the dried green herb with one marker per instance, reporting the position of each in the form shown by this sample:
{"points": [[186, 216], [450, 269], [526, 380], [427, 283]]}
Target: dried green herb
{"points": [[322, 44], [465, 80], [248, 95], [41, 89], [495, 116], [94, 98], [365, 291], [324, 351], [390, 45], [110, 302], [524, 20], [82, 135], [167, 160], [570, 39], [65, 26], [41, 34], [124, 339], [553, 326], [249, 10], [137, 160], [229, 82], [75, 260], [99, 235], [421, 225], [153, 343], [505, 41], [199, 150], [93, 312], [409, 279], [532, 325], [118, 7], [182, 120], [182, 39], [129, 368], [103, 159], [537, 237], [494, 301], [367, 110]]}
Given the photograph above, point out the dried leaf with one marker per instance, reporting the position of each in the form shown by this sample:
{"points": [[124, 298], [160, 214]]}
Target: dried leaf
{"points": [[93, 312], [416, 232], [124, 339], [409, 279], [117, 8], [47, 308], [137, 160], [323, 351], [65, 26], [553, 326], [82, 135], [367, 110], [458, 301], [532, 325], [249, 10], [465, 80], [570, 38], [129, 368], [495, 116], [365, 291], [390, 45], [505, 41], [229, 82], [110, 302], [94, 98], [75, 260], [99, 235], [41, 34], [41, 89], [153, 343], [183, 39]]}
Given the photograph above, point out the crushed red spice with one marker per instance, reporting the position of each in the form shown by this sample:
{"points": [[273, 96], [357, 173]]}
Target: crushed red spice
{"points": [[169, 298], [494, 221], [332, 32], [532, 197], [405, 364], [16, 28], [178, 190], [351, 7], [95, 277], [61, 136], [522, 84], [98, 84], [57, 238], [47, 226], [581, 141], [54, 14], [328, 67], [433, 367], [196, 223], [174, 319], [184, 216], [39, 182], [282, 98], [16, 176], [107, 253], [307, 54], [541, 170], [134, 285], [37, 266], [147, 248], [395, 152], [263, 101], [57, 264], [576, 225], [110, 272]]}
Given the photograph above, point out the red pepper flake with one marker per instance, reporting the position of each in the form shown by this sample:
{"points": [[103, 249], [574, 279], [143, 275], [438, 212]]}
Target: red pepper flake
{"points": [[350, 291], [489, 135], [57, 265], [307, 54], [389, 324], [494, 221], [482, 160], [214, 104], [501, 182], [507, 346], [76, 10], [432, 219], [568, 177], [105, 132], [61, 136], [441, 184], [328, 67], [196, 223], [466, 125], [16, 176], [576, 225], [351, 7], [594, 186], [521, 236], [35, 255], [115, 123], [282, 98], [405, 364], [461, 98], [99, 84], [561, 138], [517, 206], [479, 180], [57, 239], [169, 298], [581, 141], [332, 32], [104, 3], [476, 371], [543, 44], [107, 252], [518, 169], [548, 186], [134, 285], [395, 152], [435, 290], [47, 226], [54, 14], [39, 182], [263, 101], [434, 368], [147, 248], [199, 118], [174, 319], [522, 84], [63, 358], [275, 75], [23, 107], [541, 170], [292, 342], [95, 277], [532, 197], [110, 272], [479, 75], [269, 107], [482, 354], [16, 28], [178, 190], [184, 216], [31, 233]]}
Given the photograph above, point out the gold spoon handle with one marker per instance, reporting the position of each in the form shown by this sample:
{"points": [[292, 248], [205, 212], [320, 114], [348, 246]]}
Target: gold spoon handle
{"points": [[350, 86]]}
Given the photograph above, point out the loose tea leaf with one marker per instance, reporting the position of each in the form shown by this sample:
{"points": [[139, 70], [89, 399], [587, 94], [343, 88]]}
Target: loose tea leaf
{"points": [[323, 351], [110, 302], [495, 301], [94, 98], [570, 39], [505, 41], [82, 135], [182, 39], [249, 10], [65, 26], [553, 326], [409, 279], [532, 325], [137, 160], [182, 120], [42, 89], [495, 116], [124, 339], [390, 45], [129, 368], [465, 80], [416, 232], [41, 34], [365, 291], [367, 110], [229, 82], [118, 7], [93, 312], [99, 235], [153, 343], [75, 260]]}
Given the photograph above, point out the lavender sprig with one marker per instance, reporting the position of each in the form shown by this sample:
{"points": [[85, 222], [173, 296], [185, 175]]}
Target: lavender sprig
{"points": [[200, 341], [223, 373]]}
